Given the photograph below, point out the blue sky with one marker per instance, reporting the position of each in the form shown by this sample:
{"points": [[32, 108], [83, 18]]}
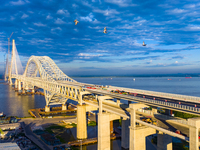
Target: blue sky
{"points": [[171, 30]]}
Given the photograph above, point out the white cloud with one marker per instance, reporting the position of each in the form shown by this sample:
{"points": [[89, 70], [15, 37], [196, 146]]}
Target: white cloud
{"points": [[12, 18], [58, 28], [176, 62], [24, 16], [192, 28], [19, 2], [63, 12], [39, 24], [107, 12], [101, 51], [74, 5], [49, 17], [88, 18], [176, 11], [122, 3], [89, 55], [59, 21]]}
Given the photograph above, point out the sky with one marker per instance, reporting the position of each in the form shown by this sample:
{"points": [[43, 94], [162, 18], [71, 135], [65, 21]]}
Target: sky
{"points": [[170, 28]]}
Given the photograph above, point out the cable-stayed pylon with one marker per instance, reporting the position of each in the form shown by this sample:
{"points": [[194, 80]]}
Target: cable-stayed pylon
{"points": [[7, 70], [15, 64]]}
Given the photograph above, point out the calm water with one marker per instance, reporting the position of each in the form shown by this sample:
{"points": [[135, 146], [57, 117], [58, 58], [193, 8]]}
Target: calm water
{"points": [[12, 104]]}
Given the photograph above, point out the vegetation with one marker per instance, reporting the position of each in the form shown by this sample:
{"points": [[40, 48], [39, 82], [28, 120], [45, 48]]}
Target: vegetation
{"points": [[1, 131], [61, 139], [48, 129], [74, 125], [183, 115], [73, 148], [92, 123], [180, 146]]}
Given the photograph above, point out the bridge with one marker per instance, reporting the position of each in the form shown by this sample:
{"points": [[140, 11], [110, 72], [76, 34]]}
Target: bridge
{"points": [[42, 72]]}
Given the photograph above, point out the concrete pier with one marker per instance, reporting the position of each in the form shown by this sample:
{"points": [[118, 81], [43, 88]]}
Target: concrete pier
{"points": [[64, 107], [138, 137], [125, 133], [164, 141], [81, 122], [47, 108], [154, 111], [103, 131], [19, 85], [194, 133]]}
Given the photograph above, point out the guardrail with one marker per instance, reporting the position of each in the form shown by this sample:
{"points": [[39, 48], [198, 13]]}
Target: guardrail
{"points": [[178, 106], [161, 94], [188, 109]]}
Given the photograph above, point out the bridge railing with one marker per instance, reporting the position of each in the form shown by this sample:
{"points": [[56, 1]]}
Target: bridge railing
{"points": [[179, 106], [160, 94]]}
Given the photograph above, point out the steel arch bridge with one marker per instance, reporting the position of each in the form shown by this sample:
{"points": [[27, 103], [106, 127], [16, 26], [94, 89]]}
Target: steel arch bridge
{"points": [[42, 72]]}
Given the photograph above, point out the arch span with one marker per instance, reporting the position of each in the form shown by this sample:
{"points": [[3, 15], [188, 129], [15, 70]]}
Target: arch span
{"points": [[47, 69]]}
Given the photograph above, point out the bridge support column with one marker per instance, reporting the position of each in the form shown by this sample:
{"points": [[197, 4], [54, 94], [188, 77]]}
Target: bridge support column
{"points": [[154, 111], [103, 131], [10, 81], [81, 122], [137, 135], [64, 107], [118, 102], [194, 133], [164, 141], [125, 133], [16, 82], [47, 108], [19, 85], [111, 127], [32, 90]]}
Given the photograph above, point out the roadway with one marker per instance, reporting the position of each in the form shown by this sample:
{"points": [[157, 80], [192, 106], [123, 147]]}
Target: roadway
{"points": [[187, 107]]}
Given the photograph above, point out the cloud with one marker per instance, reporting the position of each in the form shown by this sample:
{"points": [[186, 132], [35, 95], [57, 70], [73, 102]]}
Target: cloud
{"points": [[107, 12], [24, 16], [89, 55], [89, 18], [121, 3], [49, 17], [59, 21], [39, 24], [63, 12], [58, 28], [19, 2], [176, 11]]}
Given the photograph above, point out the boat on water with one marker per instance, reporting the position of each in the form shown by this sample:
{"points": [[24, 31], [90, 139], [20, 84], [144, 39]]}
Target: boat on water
{"points": [[169, 79], [133, 79], [2, 115], [188, 77]]}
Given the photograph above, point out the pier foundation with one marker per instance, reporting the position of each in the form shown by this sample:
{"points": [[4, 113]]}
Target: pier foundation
{"points": [[103, 131], [64, 107], [194, 133], [81, 122], [47, 108], [19, 85]]}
